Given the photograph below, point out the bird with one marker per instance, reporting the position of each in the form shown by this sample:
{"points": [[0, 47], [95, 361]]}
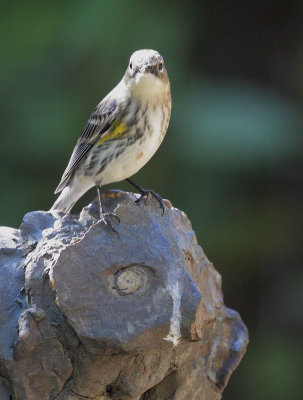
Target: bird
{"points": [[121, 135]]}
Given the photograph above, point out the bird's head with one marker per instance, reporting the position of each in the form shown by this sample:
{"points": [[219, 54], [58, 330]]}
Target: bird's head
{"points": [[146, 73]]}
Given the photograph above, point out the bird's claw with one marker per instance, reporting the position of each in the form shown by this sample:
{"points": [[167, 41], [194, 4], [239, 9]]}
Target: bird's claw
{"points": [[104, 217], [155, 195]]}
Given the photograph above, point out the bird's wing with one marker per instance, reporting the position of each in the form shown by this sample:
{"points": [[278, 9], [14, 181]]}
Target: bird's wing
{"points": [[97, 128]]}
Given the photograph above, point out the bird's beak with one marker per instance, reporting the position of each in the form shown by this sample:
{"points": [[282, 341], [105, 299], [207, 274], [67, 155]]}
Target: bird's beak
{"points": [[149, 68]]}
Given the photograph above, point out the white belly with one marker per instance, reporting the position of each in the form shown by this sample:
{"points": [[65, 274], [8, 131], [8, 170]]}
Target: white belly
{"points": [[136, 155]]}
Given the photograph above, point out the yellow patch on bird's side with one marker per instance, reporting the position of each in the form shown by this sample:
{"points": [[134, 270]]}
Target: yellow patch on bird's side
{"points": [[117, 130], [140, 155]]}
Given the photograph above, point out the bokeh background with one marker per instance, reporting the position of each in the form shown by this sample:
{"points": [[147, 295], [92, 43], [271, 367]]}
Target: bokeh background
{"points": [[232, 158]]}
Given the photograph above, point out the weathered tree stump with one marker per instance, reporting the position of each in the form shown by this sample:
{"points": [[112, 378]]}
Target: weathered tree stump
{"points": [[85, 314]]}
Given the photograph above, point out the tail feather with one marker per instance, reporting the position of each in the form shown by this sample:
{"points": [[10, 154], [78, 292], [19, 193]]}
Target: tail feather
{"points": [[65, 201], [69, 195]]}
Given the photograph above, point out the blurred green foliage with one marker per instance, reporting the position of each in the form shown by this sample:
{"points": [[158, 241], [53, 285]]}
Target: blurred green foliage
{"points": [[232, 158]]}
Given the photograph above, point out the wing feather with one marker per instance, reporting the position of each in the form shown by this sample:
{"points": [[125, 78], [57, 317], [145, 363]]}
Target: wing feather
{"points": [[98, 124]]}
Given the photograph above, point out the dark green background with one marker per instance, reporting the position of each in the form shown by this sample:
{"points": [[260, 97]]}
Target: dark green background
{"points": [[232, 158]]}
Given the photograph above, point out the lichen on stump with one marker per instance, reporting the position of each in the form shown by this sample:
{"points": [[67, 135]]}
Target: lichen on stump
{"points": [[86, 313]]}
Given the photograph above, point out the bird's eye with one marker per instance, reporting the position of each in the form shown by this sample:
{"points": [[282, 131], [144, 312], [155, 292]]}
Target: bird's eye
{"points": [[131, 66], [160, 67]]}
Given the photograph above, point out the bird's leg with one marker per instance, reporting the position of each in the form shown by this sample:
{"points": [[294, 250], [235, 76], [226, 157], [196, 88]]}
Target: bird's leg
{"points": [[104, 217], [144, 192]]}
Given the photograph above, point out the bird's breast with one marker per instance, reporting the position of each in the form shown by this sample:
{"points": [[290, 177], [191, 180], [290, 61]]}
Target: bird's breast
{"points": [[146, 127]]}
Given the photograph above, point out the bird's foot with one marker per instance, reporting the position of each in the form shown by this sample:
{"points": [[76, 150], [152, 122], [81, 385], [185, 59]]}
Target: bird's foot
{"points": [[146, 192], [105, 218]]}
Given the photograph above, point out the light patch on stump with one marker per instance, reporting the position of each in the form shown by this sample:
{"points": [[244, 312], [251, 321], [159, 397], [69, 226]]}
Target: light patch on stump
{"points": [[175, 291]]}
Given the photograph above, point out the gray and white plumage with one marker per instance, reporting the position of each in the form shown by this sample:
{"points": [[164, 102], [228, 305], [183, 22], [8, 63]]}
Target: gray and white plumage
{"points": [[123, 132]]}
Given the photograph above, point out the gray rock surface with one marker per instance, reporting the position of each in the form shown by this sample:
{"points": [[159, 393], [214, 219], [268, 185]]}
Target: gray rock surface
{"points": [[85, 313]]}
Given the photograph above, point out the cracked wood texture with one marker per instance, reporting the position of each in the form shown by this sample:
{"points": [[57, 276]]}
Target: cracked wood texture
{"points": [[88, 314]]}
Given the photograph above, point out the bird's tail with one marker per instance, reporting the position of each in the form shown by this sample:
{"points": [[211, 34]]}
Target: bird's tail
{"points": [[68, 197], [64, 202]]}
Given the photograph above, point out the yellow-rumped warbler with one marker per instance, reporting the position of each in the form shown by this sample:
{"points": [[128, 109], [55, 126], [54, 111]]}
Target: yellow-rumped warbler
{"points": [[122, 134]]}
